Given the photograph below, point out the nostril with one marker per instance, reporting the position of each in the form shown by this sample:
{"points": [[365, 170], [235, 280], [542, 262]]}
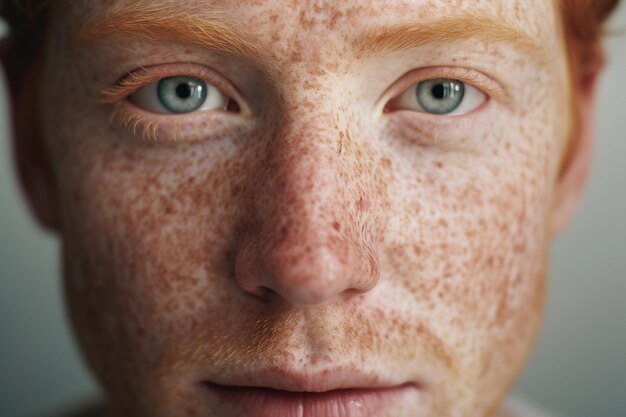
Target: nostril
{"points": [[263, 293]]}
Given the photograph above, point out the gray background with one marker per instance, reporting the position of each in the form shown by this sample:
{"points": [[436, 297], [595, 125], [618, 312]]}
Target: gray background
{"points": [[578, 368]]}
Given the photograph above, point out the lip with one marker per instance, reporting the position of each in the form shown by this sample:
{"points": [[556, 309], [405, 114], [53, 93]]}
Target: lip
{"points": [[330, 393]]}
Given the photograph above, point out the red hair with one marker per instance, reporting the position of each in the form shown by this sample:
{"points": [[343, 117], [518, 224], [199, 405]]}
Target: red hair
{"points": [[583, 27]]}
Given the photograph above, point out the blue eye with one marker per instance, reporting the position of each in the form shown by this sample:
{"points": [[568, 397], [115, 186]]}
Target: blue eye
{"points": [[182, 94], [179, 95], [441, 96]]}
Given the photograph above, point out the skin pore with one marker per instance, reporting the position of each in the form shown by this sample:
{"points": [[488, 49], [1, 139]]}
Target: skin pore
{"points": [[318, 222]]}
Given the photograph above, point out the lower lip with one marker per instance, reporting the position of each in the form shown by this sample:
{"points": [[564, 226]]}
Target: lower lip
{"points": [[266, 402]]}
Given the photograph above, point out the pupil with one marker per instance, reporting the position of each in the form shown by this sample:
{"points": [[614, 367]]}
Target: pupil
{"points": [[183, 90], [439, 91]]}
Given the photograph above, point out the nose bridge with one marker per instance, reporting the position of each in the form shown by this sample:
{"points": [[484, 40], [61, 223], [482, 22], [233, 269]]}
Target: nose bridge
{"points": [[310, 197], [305, 166], [305, 246]]}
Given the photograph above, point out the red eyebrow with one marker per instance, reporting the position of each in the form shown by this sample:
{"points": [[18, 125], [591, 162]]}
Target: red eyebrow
{"points": [[449, 29], [158, 22]]}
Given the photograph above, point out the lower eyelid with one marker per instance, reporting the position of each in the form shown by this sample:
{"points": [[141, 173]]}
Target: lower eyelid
{"points": [[452, 133], [170, 128], [145, 127]]}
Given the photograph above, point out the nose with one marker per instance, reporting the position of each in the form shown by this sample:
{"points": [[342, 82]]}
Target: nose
{"points": [[304, 237]]}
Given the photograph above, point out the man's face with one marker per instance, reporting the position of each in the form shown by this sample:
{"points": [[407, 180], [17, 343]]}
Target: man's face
{"points": [[331, 195]]}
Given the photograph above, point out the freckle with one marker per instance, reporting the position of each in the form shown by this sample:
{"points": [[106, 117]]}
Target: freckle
{"points": [[361, 204], [336, 226], [333, 67], [519, 248], [308, 85], [296, 56]]}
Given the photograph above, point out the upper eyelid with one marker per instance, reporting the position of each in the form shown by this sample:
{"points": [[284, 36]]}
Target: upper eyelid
{"points": [[144, 76], [476, 78]]}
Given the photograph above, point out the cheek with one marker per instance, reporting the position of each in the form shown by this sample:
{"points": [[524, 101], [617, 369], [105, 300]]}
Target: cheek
{"points": [[145, 235], [471, 246]]}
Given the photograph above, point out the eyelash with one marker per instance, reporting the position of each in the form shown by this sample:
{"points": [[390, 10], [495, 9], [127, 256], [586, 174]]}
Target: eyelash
{"points": [[134, 80], [474, 77], [139, 121]]}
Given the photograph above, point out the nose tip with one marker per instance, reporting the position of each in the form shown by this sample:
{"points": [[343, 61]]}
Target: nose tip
{"points": [[305, 271]]}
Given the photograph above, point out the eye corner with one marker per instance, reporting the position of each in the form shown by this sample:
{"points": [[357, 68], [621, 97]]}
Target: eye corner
{"points": [[233, 106]]}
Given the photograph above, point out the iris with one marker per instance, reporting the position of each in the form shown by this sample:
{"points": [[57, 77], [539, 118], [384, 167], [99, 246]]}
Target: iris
{"points": [[182, 94], [440, 95]]}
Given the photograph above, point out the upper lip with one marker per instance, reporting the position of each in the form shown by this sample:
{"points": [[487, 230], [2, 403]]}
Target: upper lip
{"points": [[298, 381]]}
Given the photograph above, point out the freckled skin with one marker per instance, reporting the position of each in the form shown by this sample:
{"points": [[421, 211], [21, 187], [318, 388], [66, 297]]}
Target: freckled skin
{"points": [[320, 232]]}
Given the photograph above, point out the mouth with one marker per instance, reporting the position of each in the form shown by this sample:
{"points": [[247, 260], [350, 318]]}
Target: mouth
{"points": [[326, 395]]}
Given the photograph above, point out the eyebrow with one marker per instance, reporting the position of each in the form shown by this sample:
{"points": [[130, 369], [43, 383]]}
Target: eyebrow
{"points": [[163, 23], [145, 20], [449, 29]]}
